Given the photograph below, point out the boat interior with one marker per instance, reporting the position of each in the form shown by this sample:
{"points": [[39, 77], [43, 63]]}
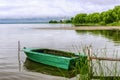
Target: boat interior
{"points": [[55, 52]]}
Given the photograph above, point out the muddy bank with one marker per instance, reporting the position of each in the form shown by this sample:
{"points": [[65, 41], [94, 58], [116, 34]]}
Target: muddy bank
{"points": [[82, 28]]}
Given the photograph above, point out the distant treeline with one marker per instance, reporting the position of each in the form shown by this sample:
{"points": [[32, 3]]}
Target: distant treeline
{"points": [[61, 21], [110, 17]]}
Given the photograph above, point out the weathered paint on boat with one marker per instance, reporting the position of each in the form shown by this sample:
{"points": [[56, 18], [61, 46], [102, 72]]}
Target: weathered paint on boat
{"points": [[56, 58]]}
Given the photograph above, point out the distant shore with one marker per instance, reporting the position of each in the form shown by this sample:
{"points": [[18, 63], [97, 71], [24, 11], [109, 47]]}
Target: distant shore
{"points": [[83, 28]]}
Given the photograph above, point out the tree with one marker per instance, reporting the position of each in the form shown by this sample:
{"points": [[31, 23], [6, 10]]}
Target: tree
{"points": [[88, 18], [67, 21], [93, 18], [61, 21], [53, 21], [110, 16], [117, 12], [79, 18]]}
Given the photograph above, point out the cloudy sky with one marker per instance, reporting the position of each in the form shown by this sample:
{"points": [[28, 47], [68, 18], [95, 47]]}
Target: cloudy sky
{"points": [[46, 8]]}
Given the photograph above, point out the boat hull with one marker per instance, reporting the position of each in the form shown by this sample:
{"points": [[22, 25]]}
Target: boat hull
{"points": [[52, 60]]}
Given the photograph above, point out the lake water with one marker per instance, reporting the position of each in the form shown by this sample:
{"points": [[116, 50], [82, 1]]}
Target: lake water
{"points": [[104, 43]]}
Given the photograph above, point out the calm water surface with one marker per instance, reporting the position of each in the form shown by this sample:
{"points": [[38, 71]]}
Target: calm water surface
{"points": [[69, 40]]}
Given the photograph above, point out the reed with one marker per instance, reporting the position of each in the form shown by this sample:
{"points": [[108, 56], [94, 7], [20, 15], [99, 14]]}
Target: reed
{"points": [[101, 68]]}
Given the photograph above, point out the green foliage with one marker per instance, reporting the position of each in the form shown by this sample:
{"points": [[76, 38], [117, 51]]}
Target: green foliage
{"points": [[114, 24], [53, 21], [109, 16], [72, 18], [93, 18], [117, 11], [79, 18], [61, 21], [67, 21], [102, 23], [103, 18]]}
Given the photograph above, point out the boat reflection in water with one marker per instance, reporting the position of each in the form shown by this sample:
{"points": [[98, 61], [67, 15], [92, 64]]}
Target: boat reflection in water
{"points": [[46, 69]]}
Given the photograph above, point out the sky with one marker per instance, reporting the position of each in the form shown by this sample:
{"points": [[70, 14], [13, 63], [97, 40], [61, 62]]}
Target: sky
{"points": [[52, 8]]}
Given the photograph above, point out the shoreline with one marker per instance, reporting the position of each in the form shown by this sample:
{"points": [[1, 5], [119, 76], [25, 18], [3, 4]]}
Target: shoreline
{"points": [[83, 28]]}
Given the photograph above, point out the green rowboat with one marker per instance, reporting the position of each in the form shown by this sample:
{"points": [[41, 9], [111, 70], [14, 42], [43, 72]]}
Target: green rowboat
{"points": [[55, 58]]}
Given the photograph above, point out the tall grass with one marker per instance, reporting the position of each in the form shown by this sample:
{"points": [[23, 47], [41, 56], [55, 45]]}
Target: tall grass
{"points": [[98, 69]]}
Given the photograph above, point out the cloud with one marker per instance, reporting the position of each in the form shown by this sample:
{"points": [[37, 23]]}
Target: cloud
{"points": [[45, 8]]}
